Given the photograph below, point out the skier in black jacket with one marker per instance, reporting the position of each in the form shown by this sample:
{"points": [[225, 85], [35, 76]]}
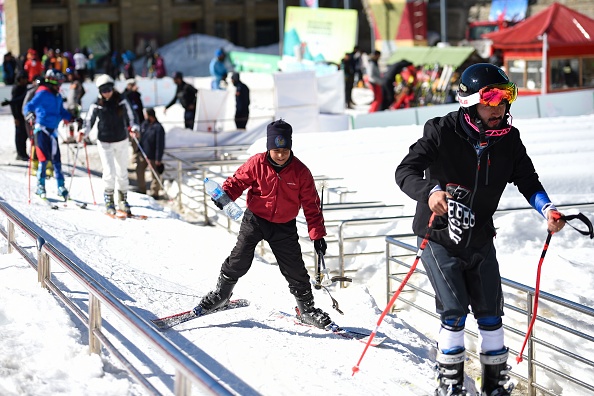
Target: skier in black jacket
{"points": [[186, 94], [19, 91], [458, 171], [115, 121], [242, 102]]}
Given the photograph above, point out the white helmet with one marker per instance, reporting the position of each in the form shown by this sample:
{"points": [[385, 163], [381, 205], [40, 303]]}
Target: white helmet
{"points": [[104, 79]]}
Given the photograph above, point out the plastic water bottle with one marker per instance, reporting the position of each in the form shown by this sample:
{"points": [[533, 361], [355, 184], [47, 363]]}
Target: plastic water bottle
{"points": [[230, 208]]}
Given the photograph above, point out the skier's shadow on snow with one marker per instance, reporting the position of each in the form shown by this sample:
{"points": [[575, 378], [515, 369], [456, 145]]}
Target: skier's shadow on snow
{"points": [[250, 324], [415, 353]]}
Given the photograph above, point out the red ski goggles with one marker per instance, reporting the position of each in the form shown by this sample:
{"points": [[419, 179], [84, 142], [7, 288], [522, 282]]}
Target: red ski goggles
{"points": [[491, 95]]}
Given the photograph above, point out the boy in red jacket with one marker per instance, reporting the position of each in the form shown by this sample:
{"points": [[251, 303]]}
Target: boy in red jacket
{"points": [[278, 184]]}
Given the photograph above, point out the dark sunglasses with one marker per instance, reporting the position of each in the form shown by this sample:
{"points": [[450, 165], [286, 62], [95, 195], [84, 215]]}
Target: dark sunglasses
{"points": [[106, 89]]}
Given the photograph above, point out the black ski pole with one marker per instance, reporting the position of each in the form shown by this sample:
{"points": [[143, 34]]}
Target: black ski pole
{"points": [[318, 284]]}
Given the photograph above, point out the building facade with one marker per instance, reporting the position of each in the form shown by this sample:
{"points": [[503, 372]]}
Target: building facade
{"points": [[106, 25]]}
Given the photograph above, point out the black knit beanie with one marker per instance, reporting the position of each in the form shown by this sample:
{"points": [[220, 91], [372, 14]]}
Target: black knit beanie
{"points": [[278, 135]]}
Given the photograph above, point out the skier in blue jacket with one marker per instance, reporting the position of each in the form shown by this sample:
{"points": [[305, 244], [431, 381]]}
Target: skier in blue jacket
{"points": [[46, 110], [218, 70]]}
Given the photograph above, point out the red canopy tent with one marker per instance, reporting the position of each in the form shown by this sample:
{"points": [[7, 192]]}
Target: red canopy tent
{"points": [[569, 58]]}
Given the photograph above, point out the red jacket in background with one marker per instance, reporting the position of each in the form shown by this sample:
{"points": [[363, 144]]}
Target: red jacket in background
{"points": [[34, 68], [277, 197]]}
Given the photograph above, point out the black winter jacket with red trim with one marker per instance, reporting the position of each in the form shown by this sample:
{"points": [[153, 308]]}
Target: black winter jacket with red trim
{"points": [[446, 154]]}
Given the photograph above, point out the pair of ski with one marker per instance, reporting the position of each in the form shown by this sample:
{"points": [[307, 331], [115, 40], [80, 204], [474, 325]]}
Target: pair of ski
{"points": [[121, 215], [53, 203], [182, 317]]}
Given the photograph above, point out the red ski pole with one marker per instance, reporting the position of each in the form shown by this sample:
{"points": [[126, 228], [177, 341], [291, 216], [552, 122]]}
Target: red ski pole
{"points": [[89, 172], [29, 172], [31, 152], [519, 358], [397, 293], [589, 233]]}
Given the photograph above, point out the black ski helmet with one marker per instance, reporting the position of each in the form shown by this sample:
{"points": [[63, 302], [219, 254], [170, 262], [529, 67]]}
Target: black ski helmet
{"points": [[477, 77]]}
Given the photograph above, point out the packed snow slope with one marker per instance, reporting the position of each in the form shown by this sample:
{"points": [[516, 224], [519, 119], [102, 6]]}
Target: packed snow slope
{"points": [[163, 265]]}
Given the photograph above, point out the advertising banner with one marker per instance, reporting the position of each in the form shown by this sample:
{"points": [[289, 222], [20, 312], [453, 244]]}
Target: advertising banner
{"points": [[319, 35], [252, 62]]}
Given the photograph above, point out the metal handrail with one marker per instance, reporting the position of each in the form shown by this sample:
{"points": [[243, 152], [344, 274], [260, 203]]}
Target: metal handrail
{"points": [[534, 342], [188, 371]]}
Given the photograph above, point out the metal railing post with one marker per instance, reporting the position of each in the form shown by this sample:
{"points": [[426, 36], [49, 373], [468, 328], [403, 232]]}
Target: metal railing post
{"points": [[180, 182], [10, 231], [204, 198], [341, 253], [388, 271], [94, 324], [182, 386], [43, 264]]}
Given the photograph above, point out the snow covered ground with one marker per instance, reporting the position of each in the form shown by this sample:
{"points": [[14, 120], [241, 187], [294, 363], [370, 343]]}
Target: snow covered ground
{"points": [[163, 265]]}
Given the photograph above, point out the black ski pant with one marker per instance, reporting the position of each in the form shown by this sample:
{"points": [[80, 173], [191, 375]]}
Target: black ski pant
{"points": [[463, 278], [189, 116], [20, 138], [284, 242], [241, 119]]}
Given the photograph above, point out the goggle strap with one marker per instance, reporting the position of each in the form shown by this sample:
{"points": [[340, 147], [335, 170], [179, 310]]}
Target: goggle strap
{"points": [[482, 137]]}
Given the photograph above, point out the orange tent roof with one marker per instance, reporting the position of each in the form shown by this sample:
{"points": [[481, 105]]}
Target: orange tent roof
{"points": [[564, 27]]}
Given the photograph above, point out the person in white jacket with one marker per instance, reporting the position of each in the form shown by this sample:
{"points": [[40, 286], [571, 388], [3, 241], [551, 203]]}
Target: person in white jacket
{"points": [[115, 122]]}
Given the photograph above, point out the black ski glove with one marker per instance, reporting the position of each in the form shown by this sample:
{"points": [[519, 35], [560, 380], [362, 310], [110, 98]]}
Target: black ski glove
{"points": [[320, 246], [217, 204], [460, 216], [5, 102], [460, 219]]}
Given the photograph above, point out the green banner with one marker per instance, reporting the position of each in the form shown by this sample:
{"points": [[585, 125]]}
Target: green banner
{"points": [[252, 62], [321, 34]]}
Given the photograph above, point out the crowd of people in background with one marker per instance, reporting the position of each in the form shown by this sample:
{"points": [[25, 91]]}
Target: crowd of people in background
{"points": [[81, 64]]}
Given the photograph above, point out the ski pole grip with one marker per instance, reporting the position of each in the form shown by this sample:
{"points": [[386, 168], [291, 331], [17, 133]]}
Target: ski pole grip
{"points": [[580, 216]]}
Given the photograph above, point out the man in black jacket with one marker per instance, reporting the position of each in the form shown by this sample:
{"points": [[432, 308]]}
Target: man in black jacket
{"points": [[186, 94], [242, 102], [152, 143], [19, 91], [458, 171]]}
